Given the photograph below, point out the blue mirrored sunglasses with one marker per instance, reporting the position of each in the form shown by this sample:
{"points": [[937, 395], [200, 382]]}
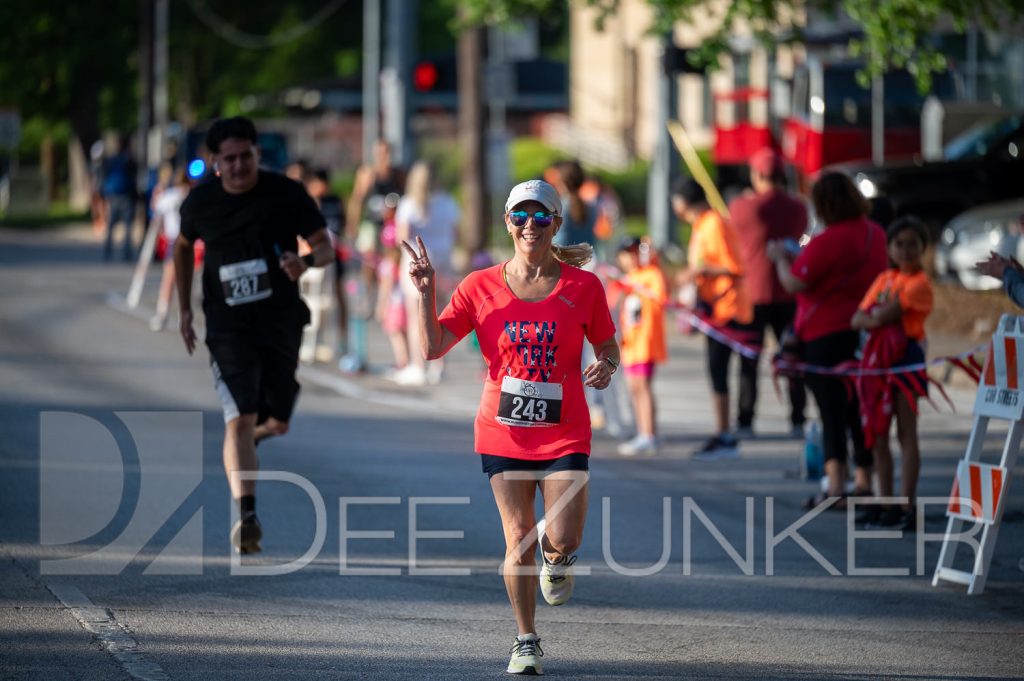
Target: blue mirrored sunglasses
{"points": [[519, 218]]}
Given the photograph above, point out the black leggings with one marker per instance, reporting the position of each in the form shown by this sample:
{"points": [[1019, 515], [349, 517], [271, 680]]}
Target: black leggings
{"points": [[837, 400], [718, 365], [777, 316]]}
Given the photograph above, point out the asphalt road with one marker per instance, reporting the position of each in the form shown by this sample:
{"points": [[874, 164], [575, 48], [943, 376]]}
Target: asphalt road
{"points": [[114, 560]]}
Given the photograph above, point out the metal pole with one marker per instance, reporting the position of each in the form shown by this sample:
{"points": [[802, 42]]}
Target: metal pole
{"points": [[371, 77], [972, 63], [659, 214], [878, 120], [146, 83], [160, 60], [400, 46], [476, 218]]}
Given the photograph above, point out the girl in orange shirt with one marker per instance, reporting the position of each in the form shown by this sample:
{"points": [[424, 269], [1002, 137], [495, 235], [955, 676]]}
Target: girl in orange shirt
{"points": [[902, 297], [643, 336]]}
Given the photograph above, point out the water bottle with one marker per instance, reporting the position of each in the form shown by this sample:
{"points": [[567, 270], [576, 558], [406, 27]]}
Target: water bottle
{"points": [[812, 465]]}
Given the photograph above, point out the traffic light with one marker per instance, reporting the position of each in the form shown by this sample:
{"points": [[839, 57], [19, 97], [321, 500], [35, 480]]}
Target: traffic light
{"points": [[435, 74], [424, 76]]}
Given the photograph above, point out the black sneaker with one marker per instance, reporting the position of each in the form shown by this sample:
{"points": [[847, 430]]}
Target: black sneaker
{"points": [[909, 523], [868, 514], [246, 535], [717, 448], [890, 518]]}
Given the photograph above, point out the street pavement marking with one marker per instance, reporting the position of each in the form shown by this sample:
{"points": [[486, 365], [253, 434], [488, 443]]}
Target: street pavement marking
{"points": [[101, 623]]}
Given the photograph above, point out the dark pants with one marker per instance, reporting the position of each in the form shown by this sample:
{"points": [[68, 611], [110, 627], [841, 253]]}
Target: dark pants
{"points": [[120, 209], [777, 317], [719, 354], [837, 400]]}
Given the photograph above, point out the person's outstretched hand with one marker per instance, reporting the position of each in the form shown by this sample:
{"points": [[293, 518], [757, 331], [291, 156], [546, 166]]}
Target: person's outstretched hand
{"points": [[996, 265], [420, 270]]}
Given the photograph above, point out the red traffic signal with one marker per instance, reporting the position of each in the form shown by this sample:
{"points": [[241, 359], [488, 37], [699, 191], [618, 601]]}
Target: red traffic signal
{"points": [[424, 76]]}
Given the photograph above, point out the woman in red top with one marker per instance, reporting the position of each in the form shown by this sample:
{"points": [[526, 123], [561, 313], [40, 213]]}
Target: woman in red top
{"points": [[830, 277], [531, 316]]}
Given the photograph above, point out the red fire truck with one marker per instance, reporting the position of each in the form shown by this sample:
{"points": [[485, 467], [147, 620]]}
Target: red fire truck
{"points": [[830, 118], [828, 121]]}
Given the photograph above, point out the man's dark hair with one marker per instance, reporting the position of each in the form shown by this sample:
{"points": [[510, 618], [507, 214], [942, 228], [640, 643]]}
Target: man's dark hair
{"points": [[238, 127], [689, 190], [837, 199], [908, 223]]}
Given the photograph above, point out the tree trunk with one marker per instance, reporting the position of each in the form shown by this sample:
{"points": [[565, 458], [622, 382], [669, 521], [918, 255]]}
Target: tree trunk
{"points": [[475, 216], [85, 129]]}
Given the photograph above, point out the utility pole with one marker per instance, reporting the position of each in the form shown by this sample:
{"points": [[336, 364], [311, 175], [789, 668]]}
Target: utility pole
{"points": [[146, 11], [878, 120], [161, 116], [476, 216], [660, 220], [400, 46], [371, 77]]}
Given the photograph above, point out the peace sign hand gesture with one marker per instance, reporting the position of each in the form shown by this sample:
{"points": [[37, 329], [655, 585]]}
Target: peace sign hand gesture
{"points": [[420, 270]]}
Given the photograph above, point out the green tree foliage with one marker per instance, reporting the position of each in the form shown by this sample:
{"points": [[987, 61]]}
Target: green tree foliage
{"points": [[67, 61], [895, 32], [224, 50]]}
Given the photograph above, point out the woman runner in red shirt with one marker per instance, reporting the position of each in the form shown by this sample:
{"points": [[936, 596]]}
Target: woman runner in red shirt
{"points": [[531, 316]]}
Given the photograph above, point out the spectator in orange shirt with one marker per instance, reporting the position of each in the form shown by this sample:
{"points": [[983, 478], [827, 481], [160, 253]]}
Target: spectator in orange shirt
{"points": [[899, 297], [713, 264], [643, 336]]}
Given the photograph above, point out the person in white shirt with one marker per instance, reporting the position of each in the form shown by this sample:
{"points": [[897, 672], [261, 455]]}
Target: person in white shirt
{"points": [[170, 191], [431, 214]]}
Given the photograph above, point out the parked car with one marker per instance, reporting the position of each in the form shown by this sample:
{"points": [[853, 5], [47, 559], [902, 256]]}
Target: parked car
{"points": [[968, 238], [983, 164]]}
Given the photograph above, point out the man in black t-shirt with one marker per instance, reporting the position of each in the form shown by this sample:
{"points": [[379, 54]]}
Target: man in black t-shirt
{"points": [[249, 221]]}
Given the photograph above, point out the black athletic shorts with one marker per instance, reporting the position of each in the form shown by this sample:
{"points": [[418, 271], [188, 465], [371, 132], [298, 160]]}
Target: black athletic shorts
{"points": [[255, 372], [339, 266], [493, 464]]}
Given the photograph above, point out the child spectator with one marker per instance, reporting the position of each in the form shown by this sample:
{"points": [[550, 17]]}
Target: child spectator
{"points": [[893, 313], [166, 202], [391, 304], [643, 336]]}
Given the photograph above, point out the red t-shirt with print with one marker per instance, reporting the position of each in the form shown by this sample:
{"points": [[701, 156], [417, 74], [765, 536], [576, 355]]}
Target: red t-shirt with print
{"points": [[533, 405]]}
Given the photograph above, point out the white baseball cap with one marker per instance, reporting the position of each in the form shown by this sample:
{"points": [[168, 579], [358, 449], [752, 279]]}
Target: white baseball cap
{"points": [[535, 190]]}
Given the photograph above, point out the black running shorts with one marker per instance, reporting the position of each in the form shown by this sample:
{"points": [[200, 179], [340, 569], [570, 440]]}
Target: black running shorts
{"points": [[255, 372], [493, 464]]}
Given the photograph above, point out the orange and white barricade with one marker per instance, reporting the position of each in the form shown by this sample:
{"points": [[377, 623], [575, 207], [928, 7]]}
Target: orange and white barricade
{"points": [[979, 490]]}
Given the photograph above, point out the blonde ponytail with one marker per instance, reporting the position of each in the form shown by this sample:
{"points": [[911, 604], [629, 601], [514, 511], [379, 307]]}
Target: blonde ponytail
{"points": [[576, 255]]}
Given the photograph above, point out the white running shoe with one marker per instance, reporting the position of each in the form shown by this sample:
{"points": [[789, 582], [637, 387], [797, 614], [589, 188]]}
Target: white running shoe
{"points": [[411, 375], [639, 445], [526, 654], [556, 579]]}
